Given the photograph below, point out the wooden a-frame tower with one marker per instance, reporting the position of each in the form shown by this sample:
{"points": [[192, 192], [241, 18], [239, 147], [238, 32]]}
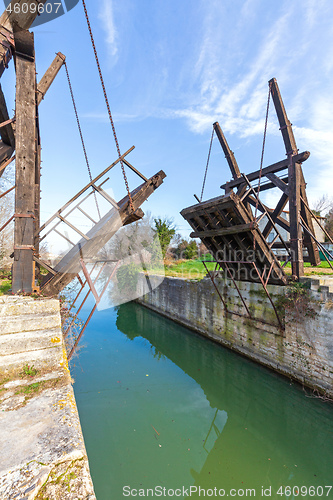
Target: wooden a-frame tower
{"points": [[229, 222], [21, 134], [231, 225]]}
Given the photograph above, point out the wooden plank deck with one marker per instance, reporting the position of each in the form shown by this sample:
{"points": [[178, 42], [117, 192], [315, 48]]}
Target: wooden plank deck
{"points": [[69, 266], [226, 228]]}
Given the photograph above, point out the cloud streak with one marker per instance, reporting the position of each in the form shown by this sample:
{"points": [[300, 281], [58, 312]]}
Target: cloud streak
{"points": [[107, 17]]}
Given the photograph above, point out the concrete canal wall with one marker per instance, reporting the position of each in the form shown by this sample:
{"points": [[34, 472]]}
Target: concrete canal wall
{"points": [[42, 452], [302, 350]]}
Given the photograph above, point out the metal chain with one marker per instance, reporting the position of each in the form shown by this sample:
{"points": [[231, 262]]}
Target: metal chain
{"points": [[263, 144], [107, 104], [80, 131], [204, 180], [262, 155]]}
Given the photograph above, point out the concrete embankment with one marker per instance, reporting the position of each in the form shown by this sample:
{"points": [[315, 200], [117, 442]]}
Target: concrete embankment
{"points": [[302, 349], [42, 452]]}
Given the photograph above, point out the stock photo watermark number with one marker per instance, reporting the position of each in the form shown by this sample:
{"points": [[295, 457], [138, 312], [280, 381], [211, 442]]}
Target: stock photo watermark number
{"points": [[49, 8], [46, 11], [282, 491]]}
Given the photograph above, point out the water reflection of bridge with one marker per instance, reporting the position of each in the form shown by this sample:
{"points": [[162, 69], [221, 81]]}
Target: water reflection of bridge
{"points": [[264, 432]]}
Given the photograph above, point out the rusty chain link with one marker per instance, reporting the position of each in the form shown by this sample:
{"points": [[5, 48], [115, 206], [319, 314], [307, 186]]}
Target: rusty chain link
{"points": [[204, 180], [80, 132], [107, 104]]}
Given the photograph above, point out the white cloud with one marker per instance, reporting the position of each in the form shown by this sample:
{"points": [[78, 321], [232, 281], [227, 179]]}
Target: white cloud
{"points": [[107, 18]]}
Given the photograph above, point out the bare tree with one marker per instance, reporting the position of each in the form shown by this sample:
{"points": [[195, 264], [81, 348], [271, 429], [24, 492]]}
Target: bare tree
{"points": [[323, 205]]}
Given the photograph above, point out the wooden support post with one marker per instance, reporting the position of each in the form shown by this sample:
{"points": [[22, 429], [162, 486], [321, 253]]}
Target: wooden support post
{"points": [[37, 180], [296, 246], [227, 151], [49, 76], [26, 137], [295, 177], [291, 149], [6, 133]]}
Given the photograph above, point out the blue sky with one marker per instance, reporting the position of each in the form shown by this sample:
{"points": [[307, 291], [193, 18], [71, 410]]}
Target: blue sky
{"points": [[172, 68]]}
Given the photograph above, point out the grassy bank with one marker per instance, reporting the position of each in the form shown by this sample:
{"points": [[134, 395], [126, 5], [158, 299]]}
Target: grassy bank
{"points": [[5, 281], [194, 269]]}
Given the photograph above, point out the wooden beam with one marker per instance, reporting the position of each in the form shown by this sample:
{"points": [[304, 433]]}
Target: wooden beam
{"points": [[85, 188], [49, 76], [45, 265], [275, 167], [73, 227], [135, 170], [270, 185], [4, 163], [235, 172], [279, 183], [6, 133], [105, 196], [7, 145], [296, 244], [37, 181], [279, 220], [26, 137], [291, 149], [275, 214], [241, 228], [6, 152], [309, 243], [285, 125]]}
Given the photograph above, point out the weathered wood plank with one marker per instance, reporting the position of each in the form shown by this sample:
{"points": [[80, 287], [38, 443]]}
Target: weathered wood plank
{"points": [[309, 243], [285, 125], [135, 170], [49, 76], [6, 133], [291, 148], [85, 189], [270, 185], [296, 243], [275, 167], [37, 182], [230, 157], [275, 214], [6, 152], [26, 137], [241, 228], [279, 220], [279, 183], [226, 199]]}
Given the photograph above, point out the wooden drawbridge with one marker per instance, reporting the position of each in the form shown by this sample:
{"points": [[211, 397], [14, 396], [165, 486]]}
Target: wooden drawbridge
{"points": [[21, 134], [242, 233], [90, 244]]}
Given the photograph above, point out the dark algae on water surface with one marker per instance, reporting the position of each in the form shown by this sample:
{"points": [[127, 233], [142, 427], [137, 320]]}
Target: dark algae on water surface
{"points": [[162, 407]]}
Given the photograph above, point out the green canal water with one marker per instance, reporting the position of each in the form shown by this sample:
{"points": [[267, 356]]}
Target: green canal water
{"points": [[161, 407]]}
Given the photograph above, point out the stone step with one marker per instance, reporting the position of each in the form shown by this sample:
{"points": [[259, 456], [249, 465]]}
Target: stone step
{"points": [[41, 359], [18, 306], [319, 283], [30, 341], [29, 322]]}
